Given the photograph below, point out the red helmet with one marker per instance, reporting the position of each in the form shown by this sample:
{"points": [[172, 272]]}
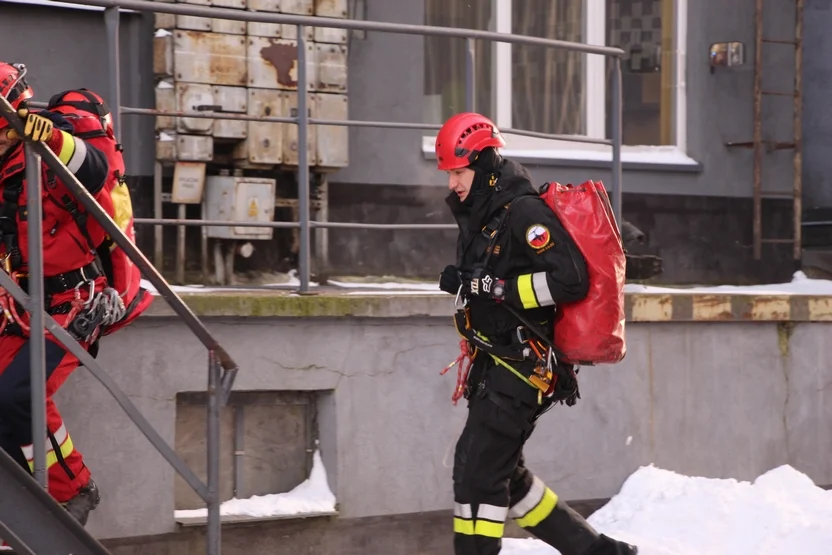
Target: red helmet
{"points": [[462, 138], [13, 86]]}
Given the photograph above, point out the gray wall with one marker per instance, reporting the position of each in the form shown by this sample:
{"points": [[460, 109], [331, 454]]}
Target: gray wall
{"points": [[389, 427], [817, 81]]}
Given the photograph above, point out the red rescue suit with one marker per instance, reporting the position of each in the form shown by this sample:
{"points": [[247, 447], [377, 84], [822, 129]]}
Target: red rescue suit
{"points": [[71, 274]]}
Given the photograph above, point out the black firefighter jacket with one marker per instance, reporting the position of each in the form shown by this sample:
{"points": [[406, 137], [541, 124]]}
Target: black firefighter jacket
{"points": [[532, 252]]}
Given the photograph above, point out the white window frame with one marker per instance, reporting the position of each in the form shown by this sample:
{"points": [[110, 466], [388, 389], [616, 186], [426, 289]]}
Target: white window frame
{"points": [[596, 94]]}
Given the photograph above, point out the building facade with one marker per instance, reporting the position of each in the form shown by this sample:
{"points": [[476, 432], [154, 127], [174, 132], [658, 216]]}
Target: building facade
{"points": [[684, 184]]}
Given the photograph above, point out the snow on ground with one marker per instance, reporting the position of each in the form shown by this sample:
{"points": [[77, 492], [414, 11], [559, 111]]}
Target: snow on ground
{"points": [[310, 497], [800, 285], [665, 513]]}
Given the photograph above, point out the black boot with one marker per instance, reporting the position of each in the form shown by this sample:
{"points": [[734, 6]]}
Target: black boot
{"points": [[605, 545], [87, 499]]}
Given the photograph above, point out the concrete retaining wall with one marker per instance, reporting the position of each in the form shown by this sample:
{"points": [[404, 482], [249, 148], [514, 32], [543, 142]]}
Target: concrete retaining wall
{"points": [[720, 386]]}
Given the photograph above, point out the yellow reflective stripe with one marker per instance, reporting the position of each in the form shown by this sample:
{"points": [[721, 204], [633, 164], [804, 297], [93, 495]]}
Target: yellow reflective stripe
{"points": [[52, 459], [489, 529], [479, 528], [501, 362], [67, 147], [541, 510], [525, 290], [463, 526], [122, 206]]}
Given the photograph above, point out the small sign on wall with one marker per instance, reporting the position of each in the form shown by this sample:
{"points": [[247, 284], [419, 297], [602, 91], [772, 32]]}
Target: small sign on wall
{"points": [[727, 54], [188, 182]]}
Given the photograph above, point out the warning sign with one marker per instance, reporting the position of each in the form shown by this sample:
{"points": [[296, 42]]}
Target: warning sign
{"points": [[253, 208]]}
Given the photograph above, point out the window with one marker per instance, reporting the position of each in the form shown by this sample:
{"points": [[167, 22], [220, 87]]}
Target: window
{"points": [[644, 30], [445, 59], [559, 92], [547, 85]]}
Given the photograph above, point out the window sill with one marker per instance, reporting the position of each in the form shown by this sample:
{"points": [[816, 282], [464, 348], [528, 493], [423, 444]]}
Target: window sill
{"points": [[241, 520], [526, 150]]}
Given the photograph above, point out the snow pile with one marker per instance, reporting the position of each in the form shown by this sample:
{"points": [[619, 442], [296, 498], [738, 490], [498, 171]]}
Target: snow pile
{"points": [[664, 513], [312, 496]]}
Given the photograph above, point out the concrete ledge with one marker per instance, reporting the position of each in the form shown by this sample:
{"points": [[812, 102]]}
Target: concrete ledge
{"points": [[639, 307], [231, 520]]}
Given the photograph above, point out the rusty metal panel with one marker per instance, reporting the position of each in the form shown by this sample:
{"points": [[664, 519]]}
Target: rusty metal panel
{"points": [[331, 8], [332, 141], [166, 146], [273, 64], [228, 26], [264, 5], [265, 140], [194, 97], [302, 7], [164, 20], [329, 35], [269, 30], [235, 4], [192, 23], [165, 100], [331, 61], [163, 53], [210, 58], [290, 132], [290, 32], [194, 148], [231, 99]]}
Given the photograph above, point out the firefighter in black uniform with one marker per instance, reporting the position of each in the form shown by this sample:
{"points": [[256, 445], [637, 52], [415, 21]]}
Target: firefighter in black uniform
{"points": [[515, 262]]}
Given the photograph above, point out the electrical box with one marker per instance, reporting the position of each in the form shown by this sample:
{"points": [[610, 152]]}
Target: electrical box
{"points": [[332, 140], [331, 61], [210, 58], [233, 100], [194, 97], [239, 199], [273, 64], [331, 8]]}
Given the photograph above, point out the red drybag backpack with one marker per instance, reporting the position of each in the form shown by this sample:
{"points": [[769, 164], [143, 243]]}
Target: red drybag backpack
{"points": [[591, 331]]}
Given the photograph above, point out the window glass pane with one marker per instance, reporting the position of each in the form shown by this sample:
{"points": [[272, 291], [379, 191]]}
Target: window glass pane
{"points": [[445, 59], [644, 30], [548, 85]]}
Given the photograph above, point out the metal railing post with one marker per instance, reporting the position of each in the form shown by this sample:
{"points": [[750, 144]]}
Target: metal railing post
{"points": [[215, 401], [111, 21], [37, 341], [470, 75], [616, 140], [303, 164]]}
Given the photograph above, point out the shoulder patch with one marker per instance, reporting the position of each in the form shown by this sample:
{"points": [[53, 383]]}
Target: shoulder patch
{"points": [[538, 236]]}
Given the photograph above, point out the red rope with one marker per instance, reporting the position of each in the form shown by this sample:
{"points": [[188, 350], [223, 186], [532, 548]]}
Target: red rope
{"points": [[462, 370]]}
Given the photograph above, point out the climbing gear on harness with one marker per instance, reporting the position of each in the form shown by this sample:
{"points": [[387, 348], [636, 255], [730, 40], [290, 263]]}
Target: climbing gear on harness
{"points": [[466, 351]]}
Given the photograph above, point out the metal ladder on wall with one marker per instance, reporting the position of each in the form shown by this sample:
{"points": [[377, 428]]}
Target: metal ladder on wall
{"points": [[758, 143]]}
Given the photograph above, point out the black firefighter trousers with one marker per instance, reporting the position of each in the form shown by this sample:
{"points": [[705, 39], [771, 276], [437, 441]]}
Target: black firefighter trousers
{"points": [[492, 483]]}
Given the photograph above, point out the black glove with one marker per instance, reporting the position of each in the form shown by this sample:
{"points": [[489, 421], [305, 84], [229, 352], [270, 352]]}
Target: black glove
{"points": [[643, 266], [483, 283], [449, 280], [566, 387]]}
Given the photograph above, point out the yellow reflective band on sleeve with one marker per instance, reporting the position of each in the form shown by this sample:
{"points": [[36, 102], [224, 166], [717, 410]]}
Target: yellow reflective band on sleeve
{"points": [[67, 147], [525, 290], [489, 529], [463, 526], [540, 511]]}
